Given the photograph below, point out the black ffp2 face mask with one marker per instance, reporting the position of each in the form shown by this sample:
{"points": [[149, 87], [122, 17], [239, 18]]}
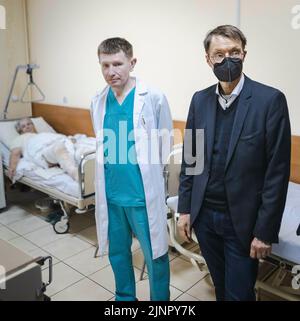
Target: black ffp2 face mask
{"points": [[229, 69]]}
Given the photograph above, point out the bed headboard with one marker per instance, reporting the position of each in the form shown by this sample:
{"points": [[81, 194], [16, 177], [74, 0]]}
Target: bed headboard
{"points": [[295, 160]]}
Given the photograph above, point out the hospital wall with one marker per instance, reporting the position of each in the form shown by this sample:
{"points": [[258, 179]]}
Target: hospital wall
{"points": [[167, 38], [166, 35], [13, 52], [273, 33]]}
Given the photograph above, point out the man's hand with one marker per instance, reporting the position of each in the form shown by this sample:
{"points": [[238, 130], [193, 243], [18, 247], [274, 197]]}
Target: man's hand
{"points": [[259, 249], [184, 228]]}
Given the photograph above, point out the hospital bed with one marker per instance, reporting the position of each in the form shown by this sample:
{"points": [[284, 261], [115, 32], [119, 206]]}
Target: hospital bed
{"points": [[171, 176], [58, 185], [285, 257], [284, 262]]}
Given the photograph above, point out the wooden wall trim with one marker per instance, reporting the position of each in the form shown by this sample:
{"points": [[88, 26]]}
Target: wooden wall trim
{"points": [[179, 127], [65, 120], [295, 160], [70, 121]]}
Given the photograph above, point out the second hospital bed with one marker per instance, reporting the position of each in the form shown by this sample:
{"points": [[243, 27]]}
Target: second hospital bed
{"points": [[285, 257], [59, 186]]}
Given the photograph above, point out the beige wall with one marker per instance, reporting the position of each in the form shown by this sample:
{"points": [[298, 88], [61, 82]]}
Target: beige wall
{"points": [[12, 53], [274, 48], [167, 37]]}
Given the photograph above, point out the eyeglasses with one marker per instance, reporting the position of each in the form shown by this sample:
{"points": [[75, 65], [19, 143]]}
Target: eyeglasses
{"points": [[218, 57]]}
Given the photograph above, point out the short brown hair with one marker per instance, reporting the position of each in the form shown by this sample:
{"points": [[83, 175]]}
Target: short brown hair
{"points": [[227, 31], [112, 46]]}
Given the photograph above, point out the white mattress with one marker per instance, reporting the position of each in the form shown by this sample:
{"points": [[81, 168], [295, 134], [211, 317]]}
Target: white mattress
{"points": [[61, 182], [289, 242]]}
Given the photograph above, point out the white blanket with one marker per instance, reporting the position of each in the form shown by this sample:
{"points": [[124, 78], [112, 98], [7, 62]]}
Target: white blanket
{"points": [[82, 145], [37, 144], [34, 161]]}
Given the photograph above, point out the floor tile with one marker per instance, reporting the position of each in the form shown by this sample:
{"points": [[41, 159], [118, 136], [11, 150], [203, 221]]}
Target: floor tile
{"points": [[105, 278], [27, 225], [173, 253], [89, 235], [6, 234], [40, 252], [85, 263], [23, 244], [63, 277], [203, 290], [79, 222], [138, 259], [67, 247], [186, 297], [84, 290], [143, 291], [45, 235], [135, 244], [13, 214], [184, 274]]}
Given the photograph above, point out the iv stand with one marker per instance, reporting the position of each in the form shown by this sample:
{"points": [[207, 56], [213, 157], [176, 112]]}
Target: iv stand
{"points": [[29, 68]]}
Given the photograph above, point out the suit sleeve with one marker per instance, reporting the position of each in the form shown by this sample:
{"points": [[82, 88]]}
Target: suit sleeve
{"points": [[185, 180], [278, 156]]}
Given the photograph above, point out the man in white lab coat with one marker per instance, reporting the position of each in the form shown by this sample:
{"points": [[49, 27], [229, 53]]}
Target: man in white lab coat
{"points": [[133, 128]]}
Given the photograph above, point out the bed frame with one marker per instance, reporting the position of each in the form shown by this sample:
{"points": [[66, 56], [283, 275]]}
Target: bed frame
{"points": [[274, 280], [86, 198]]}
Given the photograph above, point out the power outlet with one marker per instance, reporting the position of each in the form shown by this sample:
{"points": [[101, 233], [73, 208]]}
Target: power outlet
{"points": [[14, 98]]}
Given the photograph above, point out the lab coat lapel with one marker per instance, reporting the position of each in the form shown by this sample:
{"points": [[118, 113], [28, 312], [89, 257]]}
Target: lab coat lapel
{"points": [[139, 101], [99, 113]]}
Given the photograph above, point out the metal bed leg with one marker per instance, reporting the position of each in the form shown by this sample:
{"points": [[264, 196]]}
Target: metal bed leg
{"points": [[62, 226]]}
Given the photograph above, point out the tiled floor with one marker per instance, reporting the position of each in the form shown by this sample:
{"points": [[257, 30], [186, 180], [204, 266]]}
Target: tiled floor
{"points": [[77, 275]]}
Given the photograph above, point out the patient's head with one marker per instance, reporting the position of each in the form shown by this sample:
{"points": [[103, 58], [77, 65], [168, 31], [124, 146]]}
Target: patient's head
{"points": [[25, 125]]}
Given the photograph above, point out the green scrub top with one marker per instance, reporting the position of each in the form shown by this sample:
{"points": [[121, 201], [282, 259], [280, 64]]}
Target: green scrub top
{"points": [[123, 180]]}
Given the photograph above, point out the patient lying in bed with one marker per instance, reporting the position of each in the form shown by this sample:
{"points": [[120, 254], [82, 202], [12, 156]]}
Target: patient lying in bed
{"points": [[43, 149]]}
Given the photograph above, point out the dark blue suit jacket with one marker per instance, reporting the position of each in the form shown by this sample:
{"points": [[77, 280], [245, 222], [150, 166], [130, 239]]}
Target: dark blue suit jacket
{"points": [[258, 161]]}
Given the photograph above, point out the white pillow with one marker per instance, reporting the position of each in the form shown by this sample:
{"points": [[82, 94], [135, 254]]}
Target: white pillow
{"points": [[8, 131], [42, 126]]}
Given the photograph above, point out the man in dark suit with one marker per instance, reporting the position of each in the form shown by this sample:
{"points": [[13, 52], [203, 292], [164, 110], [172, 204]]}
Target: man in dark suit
{"points": [[236, 204]]}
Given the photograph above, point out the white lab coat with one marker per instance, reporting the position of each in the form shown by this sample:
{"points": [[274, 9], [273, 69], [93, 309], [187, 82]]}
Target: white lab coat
{"points": [[151, 110]]}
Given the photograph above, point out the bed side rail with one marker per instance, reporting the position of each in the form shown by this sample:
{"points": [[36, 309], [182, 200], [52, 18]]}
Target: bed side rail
{"points": [[87, 174]]}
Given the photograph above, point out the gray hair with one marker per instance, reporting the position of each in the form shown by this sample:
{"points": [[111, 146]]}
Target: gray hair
{"points": [[18, 124]]}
